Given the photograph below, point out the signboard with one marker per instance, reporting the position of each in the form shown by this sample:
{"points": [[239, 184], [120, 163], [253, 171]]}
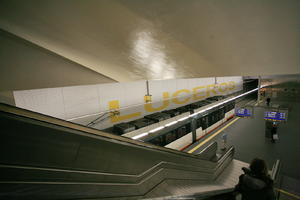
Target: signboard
{"points": [[243, 112], [277, 116]]}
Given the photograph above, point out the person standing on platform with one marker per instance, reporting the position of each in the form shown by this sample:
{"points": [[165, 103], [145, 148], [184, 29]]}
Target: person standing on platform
{"points": [[268, 101], [256, 183], [274, 133], [224, 141]]}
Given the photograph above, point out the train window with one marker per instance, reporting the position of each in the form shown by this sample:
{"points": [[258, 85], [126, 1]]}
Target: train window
{"points": [[211, 119], [226, 108], [170, 137], [181, 131], [216, 116], [222, 113], [188, 127], [198, 123], [158, 141], [232, 105], [204, 122]]}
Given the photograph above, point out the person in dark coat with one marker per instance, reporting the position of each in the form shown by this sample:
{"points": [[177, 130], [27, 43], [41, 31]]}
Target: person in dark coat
{"points": [[273, 132], [268, 101], [255, 183]]}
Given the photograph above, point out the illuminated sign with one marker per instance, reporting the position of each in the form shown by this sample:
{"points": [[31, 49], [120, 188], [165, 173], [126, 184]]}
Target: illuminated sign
{"points": [[271, 115], [243, 112]]}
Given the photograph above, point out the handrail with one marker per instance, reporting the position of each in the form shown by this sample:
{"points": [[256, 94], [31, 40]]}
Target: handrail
{"points": [[275, 170], [274, 175], [143, 175], [148, 177], [230, 151], [63, 123], [287, 193], [94, 121], [223, 160]]}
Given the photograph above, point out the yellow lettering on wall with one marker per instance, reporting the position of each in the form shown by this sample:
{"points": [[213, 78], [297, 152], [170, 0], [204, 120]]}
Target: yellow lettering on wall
{"points": [[197, 95], [149, 106], [185, 100], [115, 105], [222, 87], [231, 85], [210, 89]]}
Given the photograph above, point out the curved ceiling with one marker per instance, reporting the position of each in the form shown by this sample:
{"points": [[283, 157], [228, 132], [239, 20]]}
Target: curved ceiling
{"points": [[130, 40]]}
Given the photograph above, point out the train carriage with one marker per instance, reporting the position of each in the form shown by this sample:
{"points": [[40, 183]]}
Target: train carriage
{"points": [[180, 134]]}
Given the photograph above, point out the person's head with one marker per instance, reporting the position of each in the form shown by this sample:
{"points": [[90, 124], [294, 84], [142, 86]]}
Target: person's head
{"points": [[259, 167]]}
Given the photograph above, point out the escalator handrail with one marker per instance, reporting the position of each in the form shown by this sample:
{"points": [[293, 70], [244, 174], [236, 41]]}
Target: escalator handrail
{"points": [[87, 130], [275, 170]]}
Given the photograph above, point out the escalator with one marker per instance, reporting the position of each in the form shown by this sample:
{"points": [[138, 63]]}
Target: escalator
{"points": [[42, 157]]}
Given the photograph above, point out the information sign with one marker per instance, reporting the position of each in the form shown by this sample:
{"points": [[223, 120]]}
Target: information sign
{"points": [[243, 112], [272, 115]]}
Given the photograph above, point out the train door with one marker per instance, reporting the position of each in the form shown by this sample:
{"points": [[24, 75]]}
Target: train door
{"points": [[221, 113], [198, 123], [181, 131], [159, 141], [170, 137], [204, 122], [210, 119]]}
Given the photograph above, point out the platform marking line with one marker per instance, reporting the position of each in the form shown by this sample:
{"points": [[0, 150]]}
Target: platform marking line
{"points": [[287, 193], [210, 137]]}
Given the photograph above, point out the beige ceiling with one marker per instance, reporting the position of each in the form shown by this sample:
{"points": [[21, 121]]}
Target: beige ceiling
{"points": [[162, 39]]}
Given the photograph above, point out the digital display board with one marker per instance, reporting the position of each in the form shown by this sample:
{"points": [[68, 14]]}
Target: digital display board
{"points": [[280, 116], [243, 112]]}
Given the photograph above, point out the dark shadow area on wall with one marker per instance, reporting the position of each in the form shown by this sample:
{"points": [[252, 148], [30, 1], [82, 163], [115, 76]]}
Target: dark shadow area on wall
{"points": [[25, 65]]}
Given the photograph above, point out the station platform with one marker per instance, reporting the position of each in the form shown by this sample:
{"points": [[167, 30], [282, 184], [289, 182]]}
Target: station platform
{"points": [[88, 161], [247, 135]]}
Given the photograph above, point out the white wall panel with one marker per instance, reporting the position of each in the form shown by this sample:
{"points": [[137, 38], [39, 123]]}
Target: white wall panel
{"points": [[81, 103], [157, 88], [109, 92], [133, 93], [238, 80], [47, 101], [182, 84], [81, 100]]}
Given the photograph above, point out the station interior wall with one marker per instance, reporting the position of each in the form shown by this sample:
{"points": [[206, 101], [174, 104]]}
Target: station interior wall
{"points": [[82, 104]]}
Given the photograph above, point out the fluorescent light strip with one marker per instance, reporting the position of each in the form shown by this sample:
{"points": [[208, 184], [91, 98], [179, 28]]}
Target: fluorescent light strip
{"points": [[156, 129], [194, 114], [219, 104], [171, 123], [139, 136], [184, 118]]}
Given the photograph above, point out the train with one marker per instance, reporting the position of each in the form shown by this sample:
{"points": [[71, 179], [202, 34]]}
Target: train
{"points": [[175, 128]]}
